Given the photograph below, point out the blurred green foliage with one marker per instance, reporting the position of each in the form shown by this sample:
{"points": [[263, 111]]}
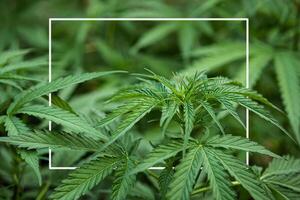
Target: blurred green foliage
{"points": [[165, 47]]}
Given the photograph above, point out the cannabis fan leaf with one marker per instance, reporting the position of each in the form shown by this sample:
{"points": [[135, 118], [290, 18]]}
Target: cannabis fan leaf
{"points": [[85, 178], [46, 88], [190, 103]]}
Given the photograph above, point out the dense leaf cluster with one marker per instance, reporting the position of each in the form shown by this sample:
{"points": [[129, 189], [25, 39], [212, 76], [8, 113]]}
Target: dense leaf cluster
{"points": [[192, 102], [165, 136]]}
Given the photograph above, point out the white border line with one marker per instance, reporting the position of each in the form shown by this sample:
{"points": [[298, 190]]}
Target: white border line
{"points": [[148, 19], [247, 85]]}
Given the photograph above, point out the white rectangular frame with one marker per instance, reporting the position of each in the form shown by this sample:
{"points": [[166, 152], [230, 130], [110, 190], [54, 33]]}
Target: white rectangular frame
{"points": [[246, 20]]}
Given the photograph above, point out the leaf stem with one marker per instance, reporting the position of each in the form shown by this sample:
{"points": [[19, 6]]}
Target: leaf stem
{"points": [[152, 174], [200, 189], [16, 177], [42, 194]]}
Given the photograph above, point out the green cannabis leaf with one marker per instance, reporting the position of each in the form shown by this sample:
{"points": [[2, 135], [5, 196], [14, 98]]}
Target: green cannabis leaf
{"points": [[84, 178], [174, 132], [193, 102], [46, 88], [45, 139]]}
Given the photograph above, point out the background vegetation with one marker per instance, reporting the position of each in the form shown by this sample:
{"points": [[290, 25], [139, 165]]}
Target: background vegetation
{"points": [[164, 48]]}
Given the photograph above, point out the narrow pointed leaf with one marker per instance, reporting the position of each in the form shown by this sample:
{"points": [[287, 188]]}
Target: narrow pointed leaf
{"points": [[189, 118], [289, 84], [159, 154], [290, 181], [24, 65], [164, 180], [283, 166], [154, 35], [168, 112], [16, 128], [63, 117], [239, 143], [231, 109], [124, 180], [185, 175], [119, 111], [130, 120], [46, 139], [84, 178], [7, 55], [256, 108], [211, 112], [243, 175], [32, 159], [45, 88], [218, 177]]}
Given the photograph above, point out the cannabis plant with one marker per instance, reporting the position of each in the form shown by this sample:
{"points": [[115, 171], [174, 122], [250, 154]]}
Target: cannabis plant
{"points": [[196, 162]]}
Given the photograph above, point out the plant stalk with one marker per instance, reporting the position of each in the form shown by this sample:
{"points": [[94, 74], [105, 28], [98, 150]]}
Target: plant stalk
{"points": [[200, 189], [152, 174]]}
